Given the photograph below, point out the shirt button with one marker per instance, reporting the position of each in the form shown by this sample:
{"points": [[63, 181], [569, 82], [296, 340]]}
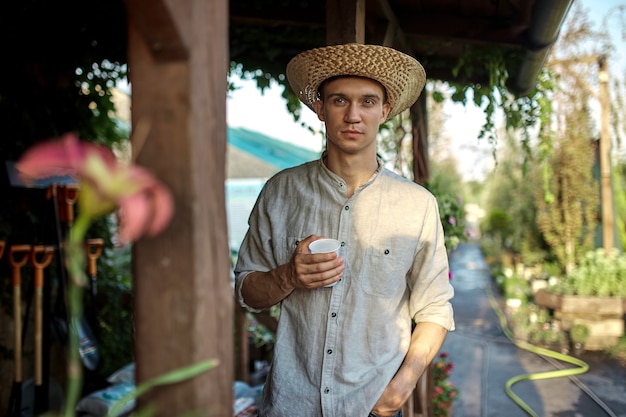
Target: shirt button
{"points": [[386, 251], [329, 351], [343, 243], [326, 390], [347, 208], [333, 314]]}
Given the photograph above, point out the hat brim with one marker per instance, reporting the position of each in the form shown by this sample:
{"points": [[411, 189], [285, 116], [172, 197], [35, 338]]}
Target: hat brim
{"points": [[402, 75]]}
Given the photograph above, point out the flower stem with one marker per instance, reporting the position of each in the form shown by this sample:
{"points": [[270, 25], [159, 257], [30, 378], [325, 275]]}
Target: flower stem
{"points": [[75, 262]]}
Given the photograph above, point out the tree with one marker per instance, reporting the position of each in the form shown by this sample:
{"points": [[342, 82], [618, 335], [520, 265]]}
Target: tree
{"points": [[568, 217]]}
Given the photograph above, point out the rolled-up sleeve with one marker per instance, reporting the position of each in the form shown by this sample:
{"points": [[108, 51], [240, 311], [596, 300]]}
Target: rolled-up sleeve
{"points": [[429, 280]]}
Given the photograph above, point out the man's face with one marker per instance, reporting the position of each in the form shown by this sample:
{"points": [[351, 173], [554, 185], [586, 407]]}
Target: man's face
{"points": [[352, 108]]}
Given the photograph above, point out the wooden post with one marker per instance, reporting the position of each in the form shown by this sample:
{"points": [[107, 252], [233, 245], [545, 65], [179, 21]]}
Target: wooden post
{"points": [[345, 21], [421, 172], [178, 62], [605, 158]]}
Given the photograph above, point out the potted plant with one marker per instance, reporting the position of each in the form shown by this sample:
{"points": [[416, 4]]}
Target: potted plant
{"points": [[444, 391], [578, 334]]}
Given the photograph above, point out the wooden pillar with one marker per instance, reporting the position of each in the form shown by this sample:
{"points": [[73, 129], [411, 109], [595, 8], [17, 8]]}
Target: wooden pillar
{"points": [[606, 187], [345, 21], [178, 61], [419, 123]]}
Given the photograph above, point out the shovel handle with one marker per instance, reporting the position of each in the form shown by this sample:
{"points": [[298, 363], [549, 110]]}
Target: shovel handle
{"points": [[70, 194], [94, 250], [39, 265], [18, 256], [2, 245]]}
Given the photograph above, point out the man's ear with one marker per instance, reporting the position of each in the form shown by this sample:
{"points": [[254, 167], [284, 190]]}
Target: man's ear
{"points": [[386, 110], [318, 106]]}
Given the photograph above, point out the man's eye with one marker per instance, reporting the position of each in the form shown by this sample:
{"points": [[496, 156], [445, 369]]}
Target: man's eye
{"points": [[339, 100]]}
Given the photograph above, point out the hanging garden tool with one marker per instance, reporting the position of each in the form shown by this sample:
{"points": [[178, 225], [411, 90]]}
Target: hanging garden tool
{"points": [[88, 347], [41, 256], [64, 198], [94, 250], [18, 257]]}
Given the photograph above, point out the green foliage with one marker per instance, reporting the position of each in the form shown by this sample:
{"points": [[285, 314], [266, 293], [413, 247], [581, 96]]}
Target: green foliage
{"points": [[521, 113], [597, 274], [516, 287], [547, 336], [619, 195], [579, 333], [452, 215], [567, 220], [619, 350], [497, 225], [526, 320]]}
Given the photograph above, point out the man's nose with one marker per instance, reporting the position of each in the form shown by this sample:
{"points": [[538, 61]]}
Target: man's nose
{"points": [[352, 114]]}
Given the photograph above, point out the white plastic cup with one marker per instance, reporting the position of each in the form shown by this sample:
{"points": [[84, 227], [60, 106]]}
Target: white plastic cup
{"points": [[325, 246]]}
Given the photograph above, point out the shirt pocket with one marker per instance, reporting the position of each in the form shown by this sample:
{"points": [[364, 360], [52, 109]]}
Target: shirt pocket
{"points": [[385, 270]]}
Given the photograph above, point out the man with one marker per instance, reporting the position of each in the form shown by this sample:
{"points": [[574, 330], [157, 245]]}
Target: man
{"points": [[349, 350]]}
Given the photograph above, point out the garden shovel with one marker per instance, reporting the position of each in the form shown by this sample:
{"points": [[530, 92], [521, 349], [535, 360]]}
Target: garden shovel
{"points": [[88, 347], [18, 257], [93, 248], [41, 256]]}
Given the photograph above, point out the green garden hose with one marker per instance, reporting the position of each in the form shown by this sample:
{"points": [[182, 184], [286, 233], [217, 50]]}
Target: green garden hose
{"points": [[582, 367]]}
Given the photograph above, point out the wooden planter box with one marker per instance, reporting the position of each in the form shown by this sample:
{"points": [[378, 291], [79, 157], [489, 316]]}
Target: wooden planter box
{"points": [[603, 315]]}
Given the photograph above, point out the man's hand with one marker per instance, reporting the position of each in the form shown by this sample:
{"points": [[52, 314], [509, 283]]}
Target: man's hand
{"points": [[395, 395], [304, 270], [426, 341], [308, 271]]}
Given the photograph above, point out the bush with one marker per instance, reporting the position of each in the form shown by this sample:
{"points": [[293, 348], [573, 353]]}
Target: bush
{"points": [[598, 274], [579, 333]]}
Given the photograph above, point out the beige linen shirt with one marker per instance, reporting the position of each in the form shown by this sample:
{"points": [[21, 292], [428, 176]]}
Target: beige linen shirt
{"points": [[337, 348]]}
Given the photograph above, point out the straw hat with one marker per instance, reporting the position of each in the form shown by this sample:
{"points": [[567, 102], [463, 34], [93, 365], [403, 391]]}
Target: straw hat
{"points": [[401, 75]]}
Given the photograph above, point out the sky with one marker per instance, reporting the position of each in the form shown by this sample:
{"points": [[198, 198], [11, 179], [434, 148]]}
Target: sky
{"points": [[266, 113]]}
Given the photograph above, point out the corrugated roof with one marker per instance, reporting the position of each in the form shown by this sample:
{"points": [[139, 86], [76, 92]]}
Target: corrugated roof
{"points": [[272, 151]]}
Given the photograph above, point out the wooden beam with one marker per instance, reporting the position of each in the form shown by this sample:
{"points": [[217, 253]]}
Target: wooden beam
{"points": [[183, 295], [345, 21], [394, 34]]}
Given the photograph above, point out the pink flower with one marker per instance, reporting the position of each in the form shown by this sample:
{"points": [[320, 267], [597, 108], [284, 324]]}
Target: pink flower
{"points": [[452, 220], [145, 205]]}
